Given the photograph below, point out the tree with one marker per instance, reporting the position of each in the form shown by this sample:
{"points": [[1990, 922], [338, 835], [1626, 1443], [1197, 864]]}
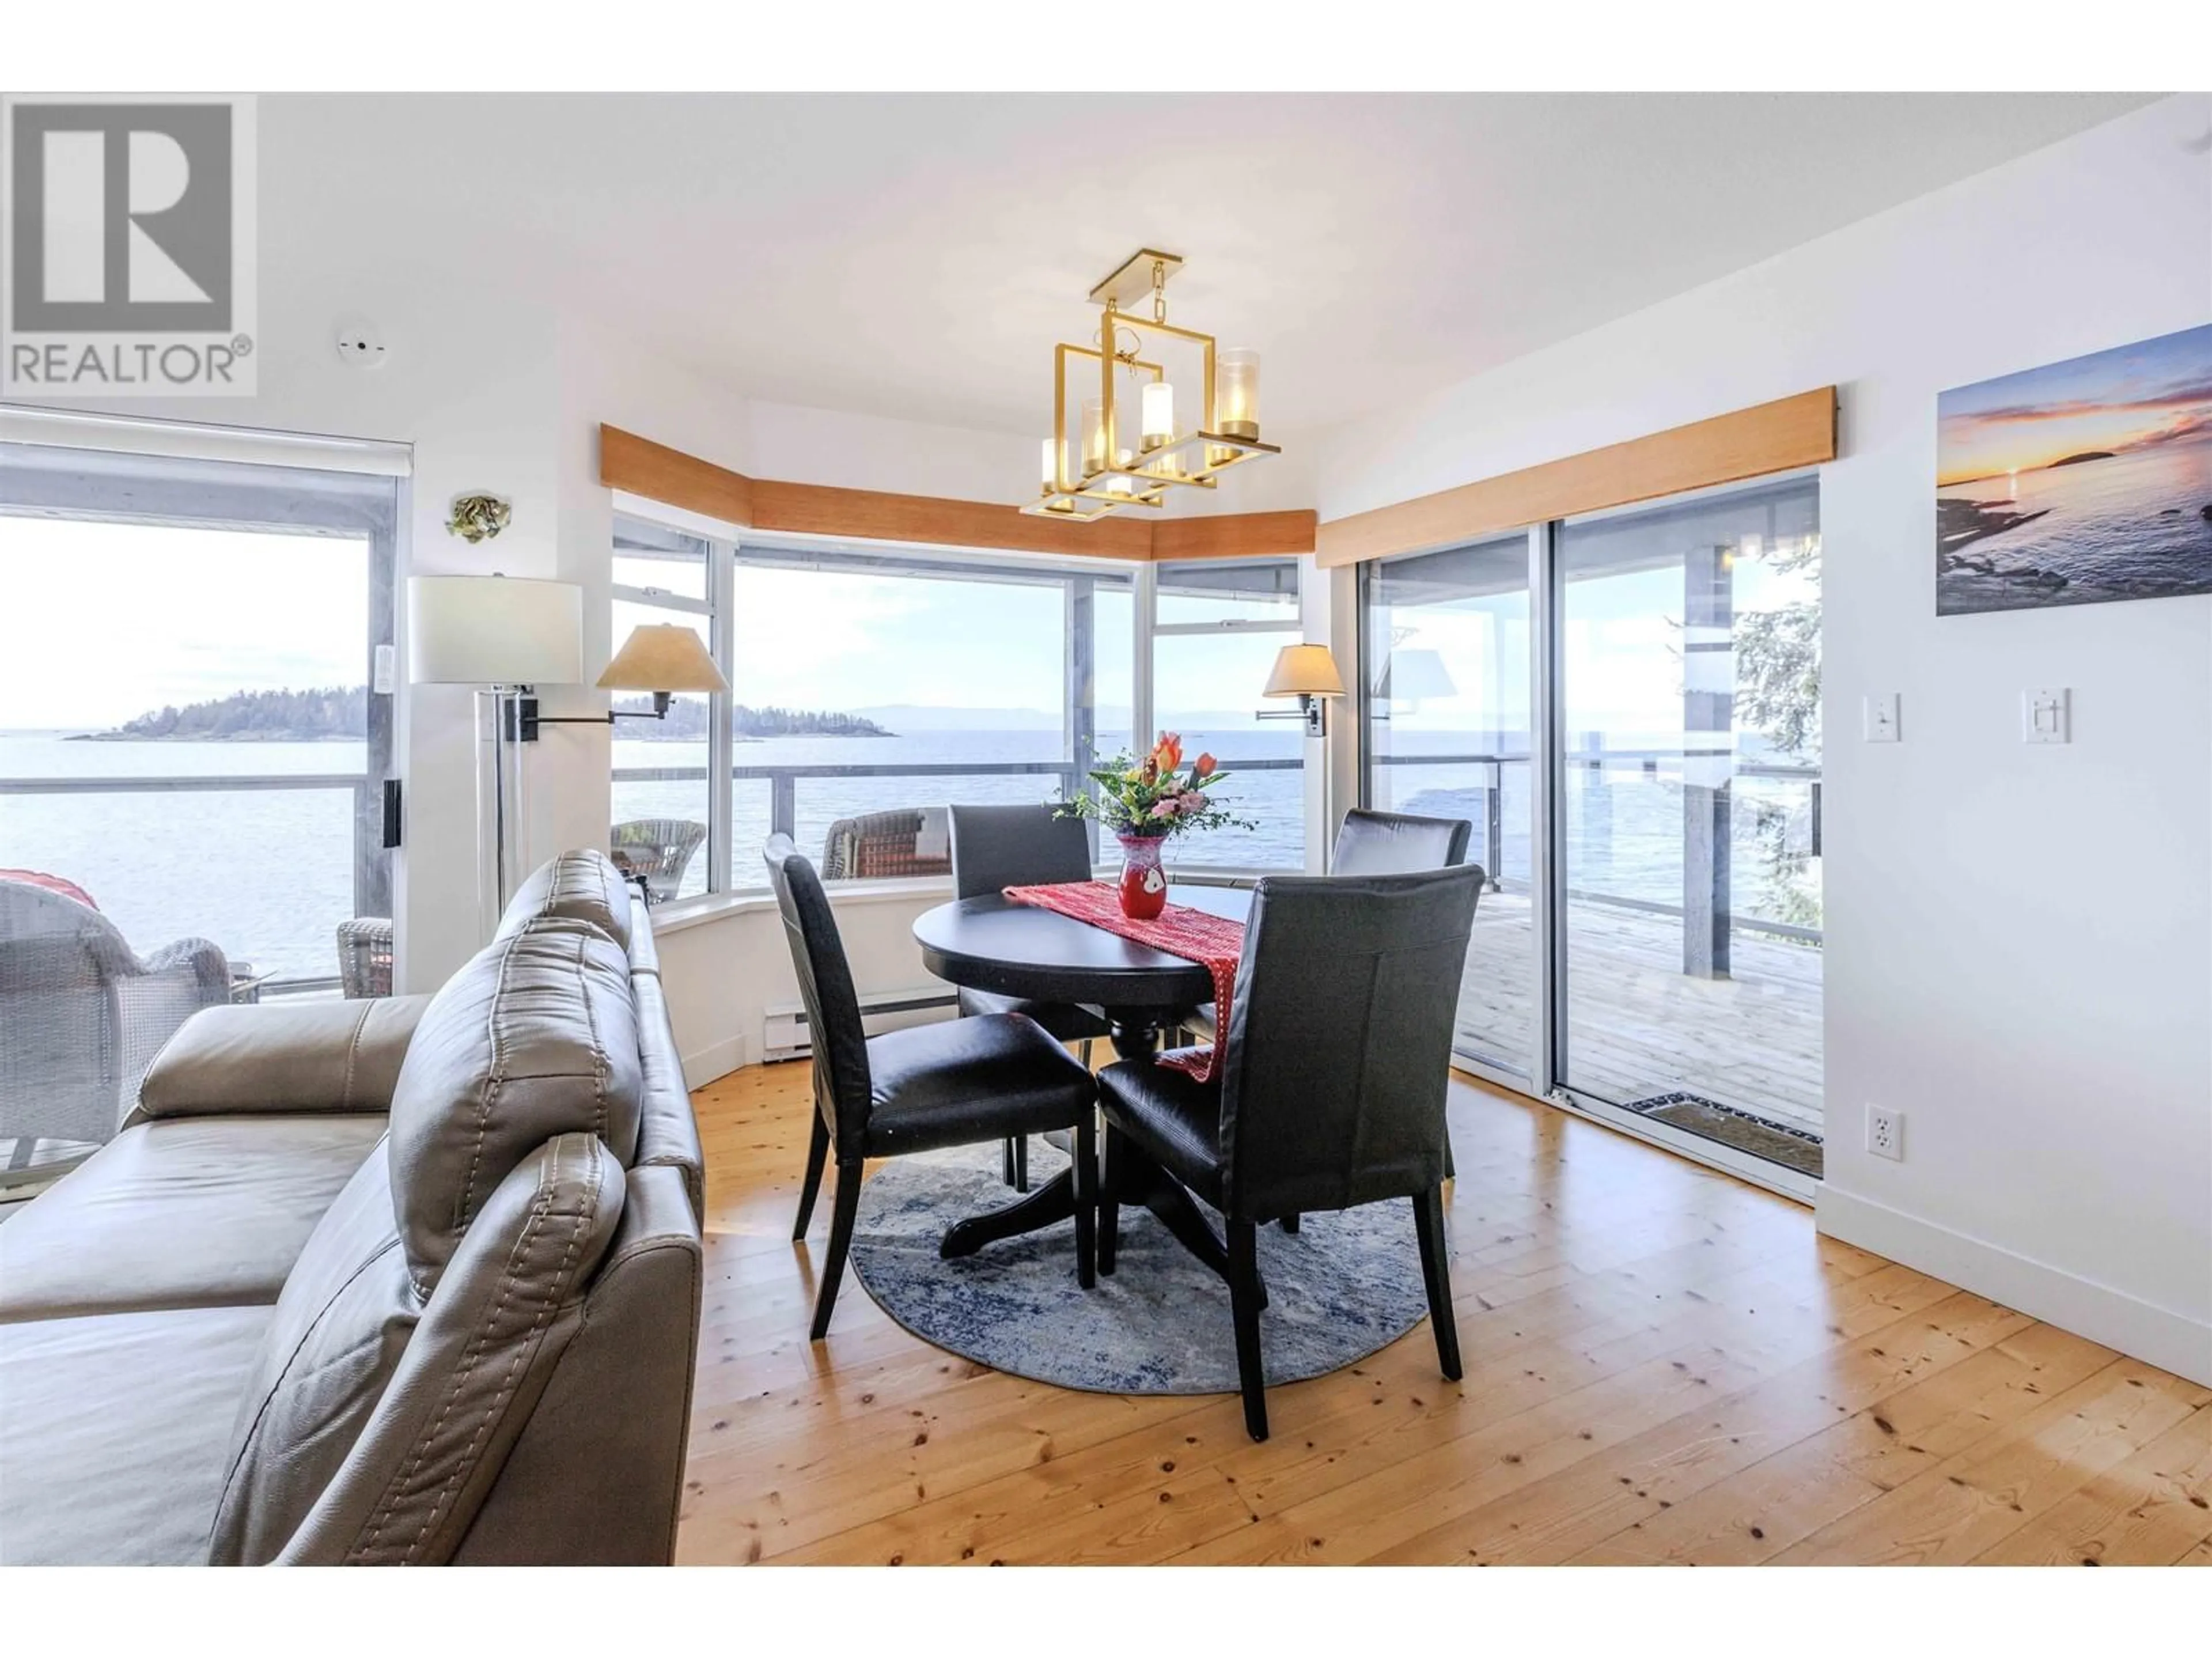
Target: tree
{"points": [[1778, 669]]}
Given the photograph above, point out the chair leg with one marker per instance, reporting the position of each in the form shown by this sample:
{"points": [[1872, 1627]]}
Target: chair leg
{"points": [[1450, 1174], [817, 1153], [842, 1211], [1015, 1163], [1435, 1276], [1110, 1201], [1086, 1199], [1289, 1224], [1245, 1306]]}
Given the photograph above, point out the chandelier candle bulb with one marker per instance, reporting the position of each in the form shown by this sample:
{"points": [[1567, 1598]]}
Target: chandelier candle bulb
{"points": [[1237, 391], [1049, 473], [1159, 414], [1094, 437]]}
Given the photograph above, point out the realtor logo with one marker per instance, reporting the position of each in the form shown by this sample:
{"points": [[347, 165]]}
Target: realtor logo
{"points": [[128, 258]]}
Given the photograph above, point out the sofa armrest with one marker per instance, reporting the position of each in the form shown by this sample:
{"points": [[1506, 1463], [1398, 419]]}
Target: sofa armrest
{"points": [[281, 1057]]}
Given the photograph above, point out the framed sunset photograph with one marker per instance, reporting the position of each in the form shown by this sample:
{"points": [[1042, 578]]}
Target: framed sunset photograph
{"points": [[2078, 482]]}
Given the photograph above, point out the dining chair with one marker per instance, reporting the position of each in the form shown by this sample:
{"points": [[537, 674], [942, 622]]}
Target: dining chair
{"points": [[1391, 843], [995, 847], [1330, 1093], [950, 1083]]}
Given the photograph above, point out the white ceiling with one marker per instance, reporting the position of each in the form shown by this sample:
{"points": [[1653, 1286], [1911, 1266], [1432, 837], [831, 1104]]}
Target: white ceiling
{"points": [[917, 255]]}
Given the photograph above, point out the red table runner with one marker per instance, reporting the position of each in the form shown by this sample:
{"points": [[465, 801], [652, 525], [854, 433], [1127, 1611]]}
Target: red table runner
{"points": [[1199, 936]]}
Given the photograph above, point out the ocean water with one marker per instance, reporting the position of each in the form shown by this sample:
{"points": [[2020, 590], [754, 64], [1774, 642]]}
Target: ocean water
{"points": [[2128, 527], [267, 874]]}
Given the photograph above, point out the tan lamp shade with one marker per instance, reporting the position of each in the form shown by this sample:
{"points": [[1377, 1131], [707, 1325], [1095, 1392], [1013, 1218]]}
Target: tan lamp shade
{"points": [[662, 657], [1304, 671]]}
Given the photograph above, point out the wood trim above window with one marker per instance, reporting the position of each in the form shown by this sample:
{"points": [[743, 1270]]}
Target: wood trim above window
{"points": [[641, 467], [1745, 443]]}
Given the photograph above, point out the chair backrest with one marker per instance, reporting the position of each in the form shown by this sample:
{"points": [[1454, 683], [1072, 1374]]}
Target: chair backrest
{"points": [[887, 846], [1339, 1038], [999, 846], [657, 850], [1397, 843], [839, 1040]]}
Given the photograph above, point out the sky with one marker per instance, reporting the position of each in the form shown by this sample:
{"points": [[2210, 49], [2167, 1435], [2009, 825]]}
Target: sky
{"points": [[2151, 392], [101, 622]]}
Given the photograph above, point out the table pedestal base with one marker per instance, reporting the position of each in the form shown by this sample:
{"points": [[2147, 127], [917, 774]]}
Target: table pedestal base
{"points": [[1135, 1037]]}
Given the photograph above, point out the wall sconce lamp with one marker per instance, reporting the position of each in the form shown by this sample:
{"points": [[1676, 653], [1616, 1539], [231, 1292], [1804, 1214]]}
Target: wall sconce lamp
{"points": [[1308, 673], [662, 657]]}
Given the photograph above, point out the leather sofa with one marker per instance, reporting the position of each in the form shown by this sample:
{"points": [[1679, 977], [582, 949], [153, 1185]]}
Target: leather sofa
{"points": [[412, 1280]]}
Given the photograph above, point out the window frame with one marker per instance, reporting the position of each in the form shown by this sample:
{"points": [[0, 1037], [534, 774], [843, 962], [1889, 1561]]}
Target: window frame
{"points": [[729, 544]]}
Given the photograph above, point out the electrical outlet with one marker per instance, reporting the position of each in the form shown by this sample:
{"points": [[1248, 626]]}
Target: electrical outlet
{"points": [[1885, 1135]]}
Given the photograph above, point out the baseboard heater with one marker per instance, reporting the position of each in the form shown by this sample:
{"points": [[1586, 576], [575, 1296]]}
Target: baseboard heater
{"points": [[786, 1035]]}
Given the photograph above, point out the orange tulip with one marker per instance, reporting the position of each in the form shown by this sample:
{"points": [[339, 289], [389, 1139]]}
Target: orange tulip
{"points": [[1203, 766], [1169, 753]]}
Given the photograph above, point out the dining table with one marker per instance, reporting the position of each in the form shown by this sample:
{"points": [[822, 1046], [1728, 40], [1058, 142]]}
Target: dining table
{"points": [[992, 943]]}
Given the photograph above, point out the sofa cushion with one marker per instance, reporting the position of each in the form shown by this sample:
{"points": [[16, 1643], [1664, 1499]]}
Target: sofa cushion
{"points": [[113, 1431], [536, 1038], [340, 1328], [668, 1131], [288, 1056], [182, 1213], [407, 1489], [580, 886]]}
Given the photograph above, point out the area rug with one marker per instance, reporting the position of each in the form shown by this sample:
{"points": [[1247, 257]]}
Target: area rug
{"points": [[1777, 1143], [1344, 1285]]}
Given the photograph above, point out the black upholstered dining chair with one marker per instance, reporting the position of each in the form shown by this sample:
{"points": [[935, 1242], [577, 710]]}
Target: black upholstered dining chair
{"points": [[950, 1083], [1392, 844], [995, 847], [1330, 1093], [1373, 844]]}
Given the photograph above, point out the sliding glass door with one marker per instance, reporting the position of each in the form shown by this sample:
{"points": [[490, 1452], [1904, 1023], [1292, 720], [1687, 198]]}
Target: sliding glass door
{"points": [[1689, 722], [1447, 696], [1634, 735]]}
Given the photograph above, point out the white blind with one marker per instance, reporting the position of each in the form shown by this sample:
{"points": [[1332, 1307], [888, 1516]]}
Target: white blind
{"points": [[189, 441]]}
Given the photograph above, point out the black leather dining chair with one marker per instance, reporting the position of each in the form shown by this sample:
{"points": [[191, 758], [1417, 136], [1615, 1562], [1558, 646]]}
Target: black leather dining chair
{"points": [[995, 847], [1391, 843], [950, 1083], [1330, 1094]]}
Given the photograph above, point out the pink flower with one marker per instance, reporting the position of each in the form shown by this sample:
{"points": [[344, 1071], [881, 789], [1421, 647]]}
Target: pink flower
{"points": [[1193, 802], [1167, 808]]}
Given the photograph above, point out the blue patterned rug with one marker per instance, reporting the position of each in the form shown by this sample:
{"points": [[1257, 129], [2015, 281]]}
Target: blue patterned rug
{"points": [[1342, 1286]]}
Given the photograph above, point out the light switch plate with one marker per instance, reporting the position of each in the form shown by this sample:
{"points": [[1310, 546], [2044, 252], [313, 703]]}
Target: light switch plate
{"points": [[1880, 717], [2046, 716], [381, 676]]}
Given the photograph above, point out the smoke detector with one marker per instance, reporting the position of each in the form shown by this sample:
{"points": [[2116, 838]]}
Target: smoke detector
{"points": [[360, 343]]}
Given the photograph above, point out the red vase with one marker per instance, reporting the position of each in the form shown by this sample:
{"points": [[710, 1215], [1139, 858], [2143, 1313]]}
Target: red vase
{"points": [[1144, 884]]}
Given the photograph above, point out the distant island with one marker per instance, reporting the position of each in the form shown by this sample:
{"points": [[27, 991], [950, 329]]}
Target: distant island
{"points": [[340, 713], [333, 714], [2086, 455], [687, 721]]}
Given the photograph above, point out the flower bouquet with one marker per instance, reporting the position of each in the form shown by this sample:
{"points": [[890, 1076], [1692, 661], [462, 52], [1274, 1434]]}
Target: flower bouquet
{"points": [[1146, 801]]}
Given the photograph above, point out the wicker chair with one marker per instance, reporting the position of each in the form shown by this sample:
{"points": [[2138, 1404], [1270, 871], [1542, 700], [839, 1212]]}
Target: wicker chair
{"points": [[656, 851], [882, 846], [83, 1015], [365, 957]]}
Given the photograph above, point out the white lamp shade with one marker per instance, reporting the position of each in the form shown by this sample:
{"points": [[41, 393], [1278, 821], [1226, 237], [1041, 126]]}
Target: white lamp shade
{"points": [[494, 630], [662, 657], [1304, 671], [1413, 672]]}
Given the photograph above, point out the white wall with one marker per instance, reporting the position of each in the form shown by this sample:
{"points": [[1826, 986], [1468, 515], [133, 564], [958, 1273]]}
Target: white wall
{"points": [[2019, 940]]}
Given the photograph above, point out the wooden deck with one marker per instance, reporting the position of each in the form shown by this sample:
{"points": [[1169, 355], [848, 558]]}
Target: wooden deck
{"points": [[1662, 1364], [1637, 1026]]}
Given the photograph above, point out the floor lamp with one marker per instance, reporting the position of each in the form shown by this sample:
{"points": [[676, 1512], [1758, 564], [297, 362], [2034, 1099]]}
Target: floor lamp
{"points": [[505, 635]]}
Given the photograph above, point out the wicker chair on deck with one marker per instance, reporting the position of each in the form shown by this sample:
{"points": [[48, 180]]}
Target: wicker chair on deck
{"points": [[915, 841], [81, 1014], [656, 851]]}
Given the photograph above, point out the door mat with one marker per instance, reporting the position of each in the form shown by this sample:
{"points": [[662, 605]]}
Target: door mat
{"points": [[1777, 1143]]}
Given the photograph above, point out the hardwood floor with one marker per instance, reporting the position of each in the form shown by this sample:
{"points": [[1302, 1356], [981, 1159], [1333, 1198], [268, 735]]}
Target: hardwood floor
{"points": [[1662, 1364]]}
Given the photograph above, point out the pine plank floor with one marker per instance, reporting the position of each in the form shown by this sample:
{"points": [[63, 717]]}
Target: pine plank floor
{"points": [[1662, 1366]]}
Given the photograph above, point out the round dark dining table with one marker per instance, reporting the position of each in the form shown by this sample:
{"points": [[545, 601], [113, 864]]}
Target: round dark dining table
{"points": [[992, 943]]}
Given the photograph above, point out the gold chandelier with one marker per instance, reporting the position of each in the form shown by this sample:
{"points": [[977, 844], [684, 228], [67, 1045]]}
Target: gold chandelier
{"points": [[1088, 472]]}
